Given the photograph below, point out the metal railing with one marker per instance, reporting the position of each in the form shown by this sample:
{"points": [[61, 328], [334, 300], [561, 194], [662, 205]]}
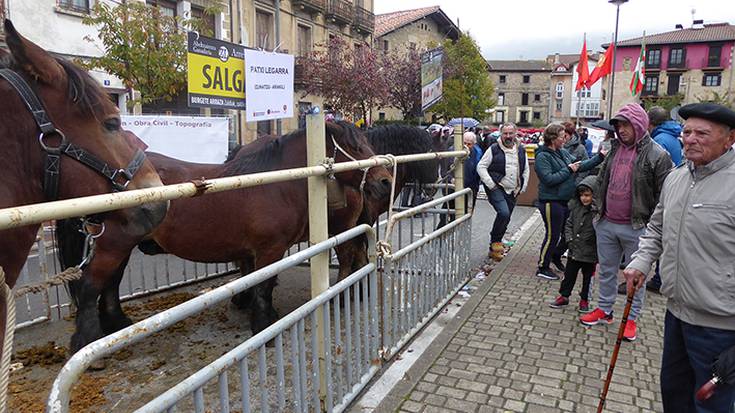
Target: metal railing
{"points": [[340, 10], [350, 359], [364, 19], [312, 5]]}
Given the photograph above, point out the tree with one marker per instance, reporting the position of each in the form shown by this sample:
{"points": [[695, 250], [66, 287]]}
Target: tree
{"points": [[468, 90], [352, 81], [724, 99], [404, 76], [144, 48]]}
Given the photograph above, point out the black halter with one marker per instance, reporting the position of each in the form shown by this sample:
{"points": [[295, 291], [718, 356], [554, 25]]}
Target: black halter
{"points": [[119, 178]]}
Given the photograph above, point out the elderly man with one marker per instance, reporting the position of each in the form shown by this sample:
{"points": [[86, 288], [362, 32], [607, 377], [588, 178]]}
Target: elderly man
{"points": [[471, 178], [503, 170], [692, 231], [630, 182]]}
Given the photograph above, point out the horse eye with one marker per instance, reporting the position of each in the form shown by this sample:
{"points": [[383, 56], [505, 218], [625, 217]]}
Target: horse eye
{"points": [[112, 124]]}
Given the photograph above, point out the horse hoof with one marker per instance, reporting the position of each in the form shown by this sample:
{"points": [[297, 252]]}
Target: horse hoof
{"points": [[98, 365]]}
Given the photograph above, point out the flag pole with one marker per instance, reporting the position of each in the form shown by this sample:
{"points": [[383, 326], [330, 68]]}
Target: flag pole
{"points": [[615, 56], [578, 92]]}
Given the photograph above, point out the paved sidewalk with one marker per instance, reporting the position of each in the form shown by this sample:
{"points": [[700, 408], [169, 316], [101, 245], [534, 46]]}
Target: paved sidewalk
{"points": [[508, 351]]}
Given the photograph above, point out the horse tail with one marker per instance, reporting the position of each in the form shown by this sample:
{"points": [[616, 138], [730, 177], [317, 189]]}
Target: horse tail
{"points": [[69, 250]]}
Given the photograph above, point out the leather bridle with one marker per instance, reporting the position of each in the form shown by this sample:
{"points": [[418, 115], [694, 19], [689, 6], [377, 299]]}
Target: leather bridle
{"points": [[119, 178]]}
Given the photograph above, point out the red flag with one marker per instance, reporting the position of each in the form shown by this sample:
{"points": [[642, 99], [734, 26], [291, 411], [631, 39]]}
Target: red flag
{"points": [[583, 69], [604, 66]]}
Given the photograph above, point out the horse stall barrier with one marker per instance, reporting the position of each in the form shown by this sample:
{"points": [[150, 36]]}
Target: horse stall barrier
{"points": [[352, 358], [420, 278]]}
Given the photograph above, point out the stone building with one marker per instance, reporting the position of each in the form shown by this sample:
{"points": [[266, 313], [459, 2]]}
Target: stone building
{"points": [[523, 93], [565, 102], [419, 29], [686, 64]]}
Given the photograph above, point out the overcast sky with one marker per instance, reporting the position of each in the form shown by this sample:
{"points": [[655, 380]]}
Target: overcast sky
{"points": [[532, 29]]}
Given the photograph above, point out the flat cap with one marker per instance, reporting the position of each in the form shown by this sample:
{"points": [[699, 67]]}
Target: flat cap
{"points": [[603, 124], [710, 111]]}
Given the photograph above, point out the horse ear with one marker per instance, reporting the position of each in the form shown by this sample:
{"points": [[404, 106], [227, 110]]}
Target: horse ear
{"points": [[31, 58]]}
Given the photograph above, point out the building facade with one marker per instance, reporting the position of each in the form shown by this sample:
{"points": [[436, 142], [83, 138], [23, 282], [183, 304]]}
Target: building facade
{"points": [[417, 29], [686, 65], [566, 103], [523, 93]]}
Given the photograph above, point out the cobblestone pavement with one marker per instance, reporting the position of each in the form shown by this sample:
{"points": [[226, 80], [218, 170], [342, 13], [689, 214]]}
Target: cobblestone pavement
{"points": [[510, 352]]}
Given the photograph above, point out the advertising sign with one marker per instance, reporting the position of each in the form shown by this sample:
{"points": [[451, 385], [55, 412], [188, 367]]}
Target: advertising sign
{"points": [[431, 77], [189, 138], [269, 85], [215, 73]]}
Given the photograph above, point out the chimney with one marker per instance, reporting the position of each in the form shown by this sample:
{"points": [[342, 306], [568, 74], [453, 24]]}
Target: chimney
{"points": [[679, 27], [556, 59], [698, 24]]}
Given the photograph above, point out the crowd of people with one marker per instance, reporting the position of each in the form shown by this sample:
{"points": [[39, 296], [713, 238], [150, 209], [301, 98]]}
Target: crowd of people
{"points": [[653, 198]]}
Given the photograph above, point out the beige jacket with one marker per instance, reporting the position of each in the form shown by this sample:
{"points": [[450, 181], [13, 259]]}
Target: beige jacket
{"points": [[693, 231]]}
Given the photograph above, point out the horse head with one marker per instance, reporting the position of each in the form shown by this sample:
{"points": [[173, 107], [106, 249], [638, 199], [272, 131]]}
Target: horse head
{"points": [[346, 143], [62, 126]]}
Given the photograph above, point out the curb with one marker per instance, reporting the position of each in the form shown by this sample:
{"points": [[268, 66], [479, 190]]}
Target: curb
{"points": [[395, 398]]}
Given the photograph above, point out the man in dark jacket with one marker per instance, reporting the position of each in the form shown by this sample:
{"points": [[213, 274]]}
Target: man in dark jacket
{"points": [[630, 182]]}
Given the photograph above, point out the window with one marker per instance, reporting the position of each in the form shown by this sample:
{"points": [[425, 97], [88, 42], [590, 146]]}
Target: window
{"points": [[590, 110], [676, 57], [207, 19], [265, 128], [536, 97], [651, 86], [526, 79], [499, 116], [673, 86], [653, 58], [584, 93], [263, 30], [712, 79], [304, 40], [386, 46], [524, 117], [558, 105], [501, 79], [536, 115], [381, 115], [166, 7], [501, 99], [559, 90], [79, 6], [713, 58], [524, 98]]}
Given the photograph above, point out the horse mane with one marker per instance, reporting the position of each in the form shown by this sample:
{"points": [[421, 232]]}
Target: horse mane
{"points": [[83, 92], [406, 140], [268, 157], [399, 140]]}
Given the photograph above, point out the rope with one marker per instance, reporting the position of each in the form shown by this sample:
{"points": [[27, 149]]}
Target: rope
{"points": [[69, 274], [7, 295]]}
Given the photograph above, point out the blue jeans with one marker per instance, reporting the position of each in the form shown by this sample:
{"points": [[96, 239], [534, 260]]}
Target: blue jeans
{"points": [[686, 365], [656, 279], [614, 241], [503, 204]]}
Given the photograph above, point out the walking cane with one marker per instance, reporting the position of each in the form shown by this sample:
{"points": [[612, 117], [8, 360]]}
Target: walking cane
{"points": [[614, 359]]}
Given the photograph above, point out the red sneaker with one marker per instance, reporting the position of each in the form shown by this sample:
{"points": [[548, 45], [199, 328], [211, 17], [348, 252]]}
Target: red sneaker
{"points": [[596, 317], [560, 302], [584, 306], [630, 330]]}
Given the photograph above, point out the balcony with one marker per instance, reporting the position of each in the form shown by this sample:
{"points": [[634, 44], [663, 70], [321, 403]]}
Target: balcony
{"points": [[364, 20], [339, 11], [312, 6]]}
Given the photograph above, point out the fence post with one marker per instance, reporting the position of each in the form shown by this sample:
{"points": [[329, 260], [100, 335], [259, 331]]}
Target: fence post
{"points": [[459, 203], [316, 149]]}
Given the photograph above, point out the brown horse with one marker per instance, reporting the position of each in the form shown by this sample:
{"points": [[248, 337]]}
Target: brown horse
{"points": [[71, 146], [254, 226]]}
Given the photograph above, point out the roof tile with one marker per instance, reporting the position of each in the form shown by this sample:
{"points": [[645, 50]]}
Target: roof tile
{"points": [[710, 33], [386, 23]]}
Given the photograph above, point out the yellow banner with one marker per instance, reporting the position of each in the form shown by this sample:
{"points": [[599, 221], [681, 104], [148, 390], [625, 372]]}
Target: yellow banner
{"points": [[211, 76]]}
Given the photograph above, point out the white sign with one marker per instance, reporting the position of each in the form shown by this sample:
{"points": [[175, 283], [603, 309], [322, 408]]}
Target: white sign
{"points": [[188, 138], [268, 85]]}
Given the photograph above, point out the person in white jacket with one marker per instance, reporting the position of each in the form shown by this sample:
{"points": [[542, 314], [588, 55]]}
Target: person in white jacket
{"points": [[503, 171]]}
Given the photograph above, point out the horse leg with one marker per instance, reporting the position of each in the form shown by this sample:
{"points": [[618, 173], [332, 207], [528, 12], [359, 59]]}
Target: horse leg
{"points": [[262, 313], [87, 321], [112, 316], [243, 300], [346, 253]]}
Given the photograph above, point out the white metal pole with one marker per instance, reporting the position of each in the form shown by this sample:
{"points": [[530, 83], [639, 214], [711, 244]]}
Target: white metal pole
{"points": [[316, 150], [615, 58], [459, 203]]}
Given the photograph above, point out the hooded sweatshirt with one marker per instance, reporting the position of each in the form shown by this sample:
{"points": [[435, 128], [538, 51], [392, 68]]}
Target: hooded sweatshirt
{"points": [[667, 135], [619, 196]]}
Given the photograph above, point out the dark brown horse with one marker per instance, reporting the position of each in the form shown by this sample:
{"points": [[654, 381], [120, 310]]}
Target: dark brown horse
{"points": [[254, 226], [73, 146]]}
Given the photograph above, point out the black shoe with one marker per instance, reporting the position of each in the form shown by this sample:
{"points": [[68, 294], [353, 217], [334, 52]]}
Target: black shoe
{"points": [[623, 288], [656, 288], [547, 274], [558, 264]]}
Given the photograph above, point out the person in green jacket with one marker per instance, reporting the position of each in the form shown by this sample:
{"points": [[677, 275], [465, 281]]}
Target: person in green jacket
{"points": [[556, 169]]}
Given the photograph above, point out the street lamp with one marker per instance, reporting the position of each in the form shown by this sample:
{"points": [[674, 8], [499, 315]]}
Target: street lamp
{"points": [[617, 4]]}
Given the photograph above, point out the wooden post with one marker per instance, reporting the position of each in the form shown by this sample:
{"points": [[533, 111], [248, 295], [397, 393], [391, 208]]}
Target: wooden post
{"points": [[459, 203], [316, 149]]}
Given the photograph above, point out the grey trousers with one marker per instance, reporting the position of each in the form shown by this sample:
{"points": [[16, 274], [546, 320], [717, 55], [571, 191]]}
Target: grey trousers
{"points": [[613, 242]]}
